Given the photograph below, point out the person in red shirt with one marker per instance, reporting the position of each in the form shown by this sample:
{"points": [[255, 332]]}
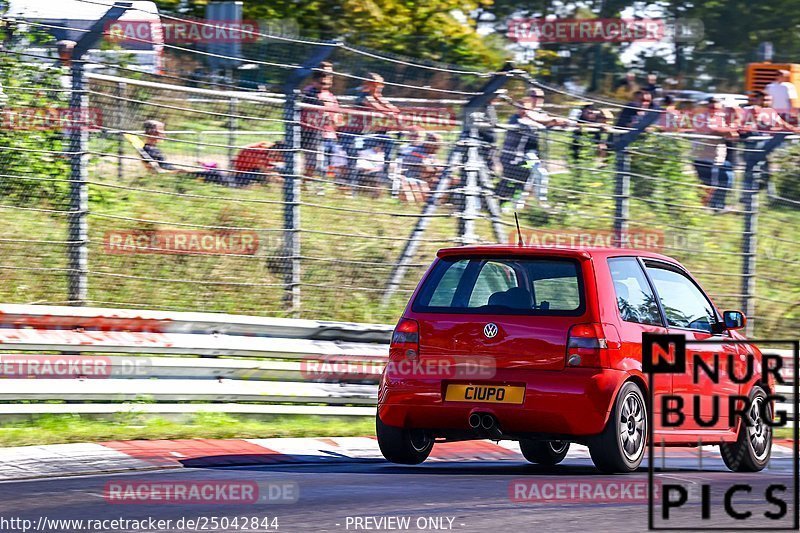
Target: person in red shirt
{"points": [[259, 162]]}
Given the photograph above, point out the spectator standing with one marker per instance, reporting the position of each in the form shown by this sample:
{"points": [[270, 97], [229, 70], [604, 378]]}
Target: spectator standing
{"points": [[626, 87], [487, 134], [318, 124], [64, 49], [519, 157], [652, 86], [760, 118], [374, 116], [594, 118], [783, 93], [711, 163], [635, 109]]}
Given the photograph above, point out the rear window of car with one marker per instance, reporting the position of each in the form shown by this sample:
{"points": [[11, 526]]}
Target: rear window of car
{"points": [[502, 286]]}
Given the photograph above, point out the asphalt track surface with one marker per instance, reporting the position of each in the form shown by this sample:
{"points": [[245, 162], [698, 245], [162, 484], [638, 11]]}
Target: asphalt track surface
{"points": [[467, 497]]}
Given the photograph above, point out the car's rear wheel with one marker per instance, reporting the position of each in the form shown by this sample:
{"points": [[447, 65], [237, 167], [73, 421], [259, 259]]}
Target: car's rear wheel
{"points": [[621, 445], [403, 446], [753, 446], [544, 452]]}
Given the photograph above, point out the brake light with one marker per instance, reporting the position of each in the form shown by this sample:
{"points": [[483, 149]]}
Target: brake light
{"points": [[405, 340], [587, 346]]}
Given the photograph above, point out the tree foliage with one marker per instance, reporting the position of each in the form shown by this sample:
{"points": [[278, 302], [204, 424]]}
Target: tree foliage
{"points": [[35, 169]]}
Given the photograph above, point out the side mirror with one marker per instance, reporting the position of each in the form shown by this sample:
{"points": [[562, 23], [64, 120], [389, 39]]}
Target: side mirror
{"points": [[734, 319]]}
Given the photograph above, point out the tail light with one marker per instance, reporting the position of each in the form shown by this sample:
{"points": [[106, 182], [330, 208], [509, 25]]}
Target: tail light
{"points": [[405, 340], [587, 346]]}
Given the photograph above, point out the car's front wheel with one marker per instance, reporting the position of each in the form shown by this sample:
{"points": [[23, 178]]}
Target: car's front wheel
{"points": [[403, 446], [620, 447], [544, 452], [753, 446]]}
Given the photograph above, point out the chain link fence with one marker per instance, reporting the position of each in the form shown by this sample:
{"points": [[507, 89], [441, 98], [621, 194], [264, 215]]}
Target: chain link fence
{"points": [[165, 192]]}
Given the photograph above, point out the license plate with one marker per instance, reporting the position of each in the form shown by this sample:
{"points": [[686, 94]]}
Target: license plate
{"points": [[485, 393]]}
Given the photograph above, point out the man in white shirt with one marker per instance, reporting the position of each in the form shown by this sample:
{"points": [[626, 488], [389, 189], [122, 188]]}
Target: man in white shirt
{"points": [[783, 93]]}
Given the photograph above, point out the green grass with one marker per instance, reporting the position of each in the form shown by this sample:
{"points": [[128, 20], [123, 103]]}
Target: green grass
{"points": [[57, 429], [784, 433]]}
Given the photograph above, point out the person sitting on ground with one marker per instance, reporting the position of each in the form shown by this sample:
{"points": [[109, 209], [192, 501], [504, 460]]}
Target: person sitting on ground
{"points": [[259, 162], [421, 163], [154, 134], [370, 167]]}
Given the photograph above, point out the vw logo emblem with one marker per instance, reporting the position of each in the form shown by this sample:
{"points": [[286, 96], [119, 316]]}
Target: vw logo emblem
{"points": [[490, 330]]}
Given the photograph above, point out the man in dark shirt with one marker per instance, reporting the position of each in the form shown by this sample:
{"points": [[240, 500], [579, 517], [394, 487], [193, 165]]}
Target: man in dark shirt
{"points": [[521, 149], [154, 132]]}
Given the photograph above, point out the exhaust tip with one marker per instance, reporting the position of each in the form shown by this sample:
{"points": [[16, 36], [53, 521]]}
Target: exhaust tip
{"points": [[474, 420], [487, 421]]}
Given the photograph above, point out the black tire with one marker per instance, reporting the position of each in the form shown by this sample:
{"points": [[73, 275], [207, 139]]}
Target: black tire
{"points": [[544, 452], [402, 446], [620, 447], [753, 447]]}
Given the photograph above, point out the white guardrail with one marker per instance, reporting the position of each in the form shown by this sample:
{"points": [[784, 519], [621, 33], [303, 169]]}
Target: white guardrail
{"points": [[171, 362]]}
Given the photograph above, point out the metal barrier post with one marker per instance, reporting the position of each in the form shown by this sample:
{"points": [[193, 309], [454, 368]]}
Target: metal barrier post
{"points": [[469, 189], [78, 232], [291, 197], [78, 225], [622, 190], [750, 204], [233, 106], [622, 196], [291, 184], [120, 133]]}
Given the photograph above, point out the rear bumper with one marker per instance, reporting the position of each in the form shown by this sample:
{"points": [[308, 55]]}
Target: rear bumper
{"points": [[573, 401]]}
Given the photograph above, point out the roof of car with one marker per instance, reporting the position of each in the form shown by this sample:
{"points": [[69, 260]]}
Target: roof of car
{"points": [[558, 251]]}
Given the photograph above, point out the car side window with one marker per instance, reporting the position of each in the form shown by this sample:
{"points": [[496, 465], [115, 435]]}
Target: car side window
{"points": [[635, 299], [685, 305]]}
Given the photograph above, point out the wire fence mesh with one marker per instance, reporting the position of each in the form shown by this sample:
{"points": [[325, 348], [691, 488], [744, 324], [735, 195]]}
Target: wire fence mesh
{"points": [[325, 193]]}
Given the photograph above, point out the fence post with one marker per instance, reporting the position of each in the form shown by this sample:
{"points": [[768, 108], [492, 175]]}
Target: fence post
{"points": [[233, 107], [78, 231], [120, 109], [750, 203], [291, 210], [622, 189], [622, 196], [469, 188], [78, 227], [291, 184]]}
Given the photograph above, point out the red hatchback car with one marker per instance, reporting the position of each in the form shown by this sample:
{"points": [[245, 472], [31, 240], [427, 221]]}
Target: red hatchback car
{"points": [[544, 346]]}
